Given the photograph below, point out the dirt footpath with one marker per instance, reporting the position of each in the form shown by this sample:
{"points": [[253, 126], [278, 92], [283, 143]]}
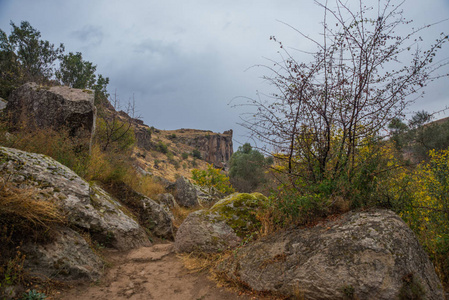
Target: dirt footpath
{"points": [[150, 273]]}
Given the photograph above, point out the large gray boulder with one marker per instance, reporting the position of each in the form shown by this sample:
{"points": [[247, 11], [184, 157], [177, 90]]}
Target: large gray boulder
{"points": [[361, 255], [225, 225], [201, 232], [66, 257], [87, 207], [185, 192], [205, 196], [157, 218], [55, 107]]}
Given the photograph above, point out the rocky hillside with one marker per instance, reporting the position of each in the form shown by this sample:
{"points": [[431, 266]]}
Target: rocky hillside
{"points": [[164, 153], [173, 153]]}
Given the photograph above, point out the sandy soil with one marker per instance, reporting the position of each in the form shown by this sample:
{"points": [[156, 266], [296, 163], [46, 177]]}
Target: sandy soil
{"points": [[150, 273]]}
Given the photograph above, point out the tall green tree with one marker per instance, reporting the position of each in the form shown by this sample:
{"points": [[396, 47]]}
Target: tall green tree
{"points": [[247, 169], [25, 56], [10, 71], [420, 136], [76, 72]]}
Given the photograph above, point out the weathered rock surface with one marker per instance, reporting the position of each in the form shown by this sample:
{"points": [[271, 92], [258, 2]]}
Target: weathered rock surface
{"points": [[68, 256], [202, 232], [362, 255], [158, 218], [87, 207], [153, 215], [54, 107], [167, 199], [185, 192], [223, 226], [204, 197]]}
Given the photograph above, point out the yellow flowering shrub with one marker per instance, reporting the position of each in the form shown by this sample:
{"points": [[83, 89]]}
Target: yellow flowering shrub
{"points": [[212, 178], [427, 211]]}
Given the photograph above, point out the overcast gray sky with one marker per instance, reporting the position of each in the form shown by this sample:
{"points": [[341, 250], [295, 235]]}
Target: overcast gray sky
{"points": [[184, 61]]}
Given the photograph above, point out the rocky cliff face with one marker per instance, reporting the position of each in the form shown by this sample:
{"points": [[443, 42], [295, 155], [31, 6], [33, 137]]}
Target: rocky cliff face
{"points": [[215, 148], [55, 107]]}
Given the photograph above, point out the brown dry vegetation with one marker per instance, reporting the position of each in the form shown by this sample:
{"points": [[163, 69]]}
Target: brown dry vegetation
{"points": [[23, 217], [178, 161]]}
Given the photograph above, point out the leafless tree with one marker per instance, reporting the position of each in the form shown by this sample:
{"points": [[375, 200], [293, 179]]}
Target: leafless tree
{"points": [[362, 76], [115, 125]]}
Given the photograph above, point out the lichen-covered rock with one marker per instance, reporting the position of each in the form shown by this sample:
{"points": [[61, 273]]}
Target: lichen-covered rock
{"points": [[240, 211], [203, 233], [362, 255], [167, 199], [223, 226], [157, 218], [185, 192], [204, 197], [54, 107], [87, 207], [67, 257]]}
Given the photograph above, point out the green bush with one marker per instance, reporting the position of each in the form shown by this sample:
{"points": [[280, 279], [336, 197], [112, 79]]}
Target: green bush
{"points": [[114, 134], [170, 155], [196, 153], [247, 169], [214, 179], [162, 147], [34, 295], [286, 207]]}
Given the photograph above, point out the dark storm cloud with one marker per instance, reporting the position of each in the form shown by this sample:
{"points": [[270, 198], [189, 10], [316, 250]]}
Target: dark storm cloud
{"points": [[184, 61]]}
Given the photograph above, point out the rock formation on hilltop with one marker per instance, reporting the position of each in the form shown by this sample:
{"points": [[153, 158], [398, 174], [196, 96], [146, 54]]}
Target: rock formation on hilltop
{"points": [[55, 107], [215, 148]]}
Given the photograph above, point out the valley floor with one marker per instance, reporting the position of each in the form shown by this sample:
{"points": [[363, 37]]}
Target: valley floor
{"points": [[150, 273]]}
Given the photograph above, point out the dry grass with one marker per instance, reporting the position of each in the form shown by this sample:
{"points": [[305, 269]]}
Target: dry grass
{"points": [[22, 206], [181, 213], [110, 167], [98, 166], [56, 144], [23, 216], [145, 185], [199, 263]]}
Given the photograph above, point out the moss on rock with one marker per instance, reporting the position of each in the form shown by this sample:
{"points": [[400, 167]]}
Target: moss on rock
{"points": [[240, 211], [227, 224]]}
